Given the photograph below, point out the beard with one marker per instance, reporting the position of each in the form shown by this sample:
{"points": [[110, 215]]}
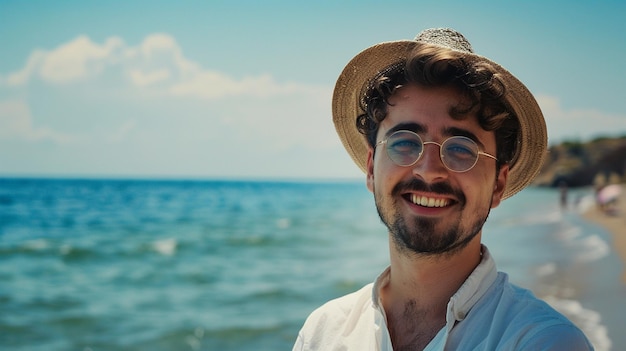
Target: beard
{"points": [[425, 235]]}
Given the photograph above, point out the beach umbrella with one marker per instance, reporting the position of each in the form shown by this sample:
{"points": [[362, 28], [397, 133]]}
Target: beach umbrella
{"points": [[609, 193]]}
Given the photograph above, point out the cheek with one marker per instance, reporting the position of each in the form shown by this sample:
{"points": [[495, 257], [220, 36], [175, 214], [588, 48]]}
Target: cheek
{"points": [[479, 190], [383, 177]]}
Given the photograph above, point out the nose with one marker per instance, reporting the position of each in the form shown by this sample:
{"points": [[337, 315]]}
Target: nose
{"points": [[430, 167]]}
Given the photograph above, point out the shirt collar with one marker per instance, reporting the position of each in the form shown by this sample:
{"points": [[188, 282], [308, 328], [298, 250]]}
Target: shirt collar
{"points": [[464, 299]]}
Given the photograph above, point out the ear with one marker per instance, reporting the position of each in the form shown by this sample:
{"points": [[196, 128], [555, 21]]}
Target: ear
{"points": [[370, 169], [500, 184]]}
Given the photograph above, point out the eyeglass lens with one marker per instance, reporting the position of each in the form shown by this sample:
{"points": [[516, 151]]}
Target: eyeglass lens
{"points": [[457, 153]]}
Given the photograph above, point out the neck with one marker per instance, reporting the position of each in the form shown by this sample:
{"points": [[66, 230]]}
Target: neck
{"points": [[419, 289]]}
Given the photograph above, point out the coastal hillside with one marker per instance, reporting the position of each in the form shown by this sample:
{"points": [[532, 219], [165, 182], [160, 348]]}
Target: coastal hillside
{"points": [[599, 161]]}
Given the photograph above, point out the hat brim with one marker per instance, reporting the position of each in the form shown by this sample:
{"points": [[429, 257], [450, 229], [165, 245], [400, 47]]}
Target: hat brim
{"points": [[356, 76]]}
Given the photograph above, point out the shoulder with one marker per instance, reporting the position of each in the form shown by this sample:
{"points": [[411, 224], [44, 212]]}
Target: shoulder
{"points": [[557, 337], [334, 322], [342, 309], [523, 304], [532, 322]]}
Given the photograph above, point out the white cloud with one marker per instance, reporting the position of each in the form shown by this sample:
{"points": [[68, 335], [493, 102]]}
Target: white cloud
{"points": [[158, 42], [583, 124], [16, 124], [78, 59], [146, 108], [157, 66], [157, 59], [24, 75], [142, 79]]}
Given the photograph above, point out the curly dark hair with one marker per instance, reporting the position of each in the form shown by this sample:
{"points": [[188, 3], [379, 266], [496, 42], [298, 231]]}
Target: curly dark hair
{"points": [[433, 66]]}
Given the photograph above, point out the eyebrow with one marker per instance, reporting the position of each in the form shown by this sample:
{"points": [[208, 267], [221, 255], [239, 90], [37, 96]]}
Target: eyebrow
{"points": [[413, 127], [454, 131]]}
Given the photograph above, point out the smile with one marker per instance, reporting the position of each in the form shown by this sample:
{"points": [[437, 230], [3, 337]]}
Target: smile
{"points": [[425, 201]]}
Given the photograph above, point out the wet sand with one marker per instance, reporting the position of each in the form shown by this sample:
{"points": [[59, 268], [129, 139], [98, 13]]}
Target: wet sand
{"points": [[615, 223]]}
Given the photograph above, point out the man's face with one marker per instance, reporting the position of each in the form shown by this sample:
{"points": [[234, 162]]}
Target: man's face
{"points": [[428, 208]]}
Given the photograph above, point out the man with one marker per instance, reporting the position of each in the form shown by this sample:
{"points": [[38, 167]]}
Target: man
{"points": [[443, 135]]}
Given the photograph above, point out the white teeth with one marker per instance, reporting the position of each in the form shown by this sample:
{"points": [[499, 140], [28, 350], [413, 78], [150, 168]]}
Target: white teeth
{"points": [[428, 201]]}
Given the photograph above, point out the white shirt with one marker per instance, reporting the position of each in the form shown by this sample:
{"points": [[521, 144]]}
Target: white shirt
{"points": [[486, 313]]}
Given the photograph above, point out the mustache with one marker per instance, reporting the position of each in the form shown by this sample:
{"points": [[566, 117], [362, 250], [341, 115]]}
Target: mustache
{"points": [[441, 188]]}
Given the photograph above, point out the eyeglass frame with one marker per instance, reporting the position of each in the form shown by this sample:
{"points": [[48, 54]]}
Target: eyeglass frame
{"points": [[441, 157]]}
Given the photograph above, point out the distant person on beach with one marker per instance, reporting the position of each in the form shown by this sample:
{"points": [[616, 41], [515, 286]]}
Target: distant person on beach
{"points": [[443, 135], [563, 194], [607, 197]]}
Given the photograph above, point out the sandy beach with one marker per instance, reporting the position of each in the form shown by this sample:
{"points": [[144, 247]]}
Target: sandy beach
{"points": [[615, 223]]}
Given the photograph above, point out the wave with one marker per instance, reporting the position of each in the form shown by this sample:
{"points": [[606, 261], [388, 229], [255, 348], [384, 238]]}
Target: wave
{"points": [[69, 250], [592, 248], [166, 247], [259, 240], [587, 247], [546, 269], [34, 247], [585, 203], [527, 219]]}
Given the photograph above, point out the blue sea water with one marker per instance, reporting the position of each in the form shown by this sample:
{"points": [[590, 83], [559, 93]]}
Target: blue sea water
{"points": [[238, 265]]}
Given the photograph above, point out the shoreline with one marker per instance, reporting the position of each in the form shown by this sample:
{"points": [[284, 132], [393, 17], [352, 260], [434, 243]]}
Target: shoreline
{"points": [[614, 223]]}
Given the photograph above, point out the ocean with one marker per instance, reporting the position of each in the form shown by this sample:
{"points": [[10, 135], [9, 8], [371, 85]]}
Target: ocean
{"points": [[154, 265]]}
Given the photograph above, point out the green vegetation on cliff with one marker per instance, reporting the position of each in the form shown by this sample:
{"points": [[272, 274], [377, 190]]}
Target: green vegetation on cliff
{"points": [[585, 163]]}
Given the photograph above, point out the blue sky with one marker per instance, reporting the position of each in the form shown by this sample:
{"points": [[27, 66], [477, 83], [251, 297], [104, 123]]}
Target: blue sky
{"points": [[242, 89]]}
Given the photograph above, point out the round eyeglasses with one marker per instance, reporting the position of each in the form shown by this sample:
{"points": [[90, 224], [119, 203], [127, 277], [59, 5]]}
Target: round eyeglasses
{"points": [[457, 153]]}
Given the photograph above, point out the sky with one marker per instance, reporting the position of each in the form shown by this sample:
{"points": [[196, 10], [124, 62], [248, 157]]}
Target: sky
{"points": [[242, 89]]}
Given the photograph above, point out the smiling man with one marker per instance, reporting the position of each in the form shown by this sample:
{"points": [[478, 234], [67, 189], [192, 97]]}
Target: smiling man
{"points": [[443, 135]]}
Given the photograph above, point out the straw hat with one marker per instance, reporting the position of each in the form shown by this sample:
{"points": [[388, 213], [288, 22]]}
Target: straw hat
{"points": [[356, 76]]}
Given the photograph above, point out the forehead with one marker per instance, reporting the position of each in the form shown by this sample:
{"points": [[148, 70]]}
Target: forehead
{"points": [[428, 110]]}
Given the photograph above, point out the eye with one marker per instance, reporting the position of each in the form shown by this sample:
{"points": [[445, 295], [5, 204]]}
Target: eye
{"points": [[461, 149], [405, 145]]}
